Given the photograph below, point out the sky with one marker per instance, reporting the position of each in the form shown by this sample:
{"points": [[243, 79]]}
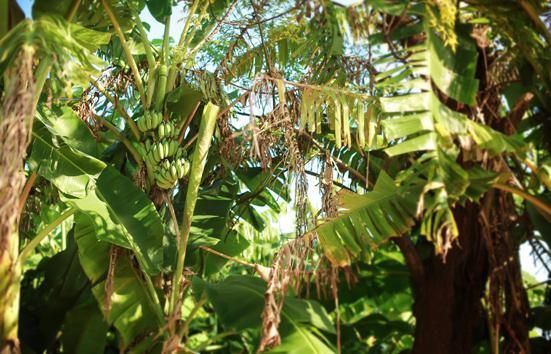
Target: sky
{"points": [[287, 222]]}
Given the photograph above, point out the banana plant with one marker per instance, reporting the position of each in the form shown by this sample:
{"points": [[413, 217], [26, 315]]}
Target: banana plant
{"points": [[165, 197], [121, 209]]}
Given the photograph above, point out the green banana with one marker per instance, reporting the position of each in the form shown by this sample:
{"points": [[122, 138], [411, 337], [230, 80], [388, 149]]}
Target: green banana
{"points": [[179, 168], [141, 127], [157, 119], [163, 185], [166, 130], [171, 178], [172, 129], [173, 172], [153, 119], [161, 178], [161, 131], [162, 182], [165, 179], [186, 166], [166, 147], [150, 158], [156, 154], [159, 151], [142, 122], [173, 147]]}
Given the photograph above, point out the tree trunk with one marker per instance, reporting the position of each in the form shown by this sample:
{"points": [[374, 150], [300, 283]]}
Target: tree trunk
{"points": [[10, 282], [16, 113], [448, 292]]}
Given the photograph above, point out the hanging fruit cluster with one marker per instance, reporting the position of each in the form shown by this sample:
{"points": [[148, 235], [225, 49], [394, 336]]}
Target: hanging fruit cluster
{"points": [[161, 150]]}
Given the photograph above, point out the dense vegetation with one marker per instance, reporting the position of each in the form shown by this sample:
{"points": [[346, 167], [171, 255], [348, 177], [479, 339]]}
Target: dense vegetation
{"points": [[285, 176]]}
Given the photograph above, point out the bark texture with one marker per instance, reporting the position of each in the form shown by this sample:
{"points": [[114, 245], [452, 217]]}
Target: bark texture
{"points": [[447, 293]]}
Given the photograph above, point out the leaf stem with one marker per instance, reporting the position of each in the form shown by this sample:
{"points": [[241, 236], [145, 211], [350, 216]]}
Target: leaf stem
{"points": [[338, 162], [535, 201], [196, 24], [73, 10], [43, 234], [26, 190], [152, 296], [534, 16], [127, 51], [154, 299], [151, 83], [166, 37], [41, 75], [185, 124], [188, 22], [196, 308], [147, 46], [220, 254], [542, 177]]}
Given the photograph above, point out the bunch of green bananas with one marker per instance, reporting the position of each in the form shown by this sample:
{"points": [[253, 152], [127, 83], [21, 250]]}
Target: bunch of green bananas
{"points": [[166, 148], [149, 121], [167, 130], [167, 173], [161, 150]]}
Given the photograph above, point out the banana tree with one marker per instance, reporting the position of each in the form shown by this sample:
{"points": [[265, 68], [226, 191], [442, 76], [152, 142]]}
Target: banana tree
{"points": [[164, 159], [123, 133]]}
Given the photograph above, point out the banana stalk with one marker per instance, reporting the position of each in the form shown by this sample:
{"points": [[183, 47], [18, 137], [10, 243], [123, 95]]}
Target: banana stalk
{"points": [[198, 161], [160, 87], [151, 83]]}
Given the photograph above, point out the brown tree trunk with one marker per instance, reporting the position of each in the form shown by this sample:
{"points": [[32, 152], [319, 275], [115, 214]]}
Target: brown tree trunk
{"points": [[447, 293]]}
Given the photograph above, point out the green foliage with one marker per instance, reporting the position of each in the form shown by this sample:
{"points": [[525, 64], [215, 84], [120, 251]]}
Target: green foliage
{"points": [[160, 9], [367, 221], [296, 317], [90, 12], [72, 46], [123, 215], [399, 100], [128, 298]]}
